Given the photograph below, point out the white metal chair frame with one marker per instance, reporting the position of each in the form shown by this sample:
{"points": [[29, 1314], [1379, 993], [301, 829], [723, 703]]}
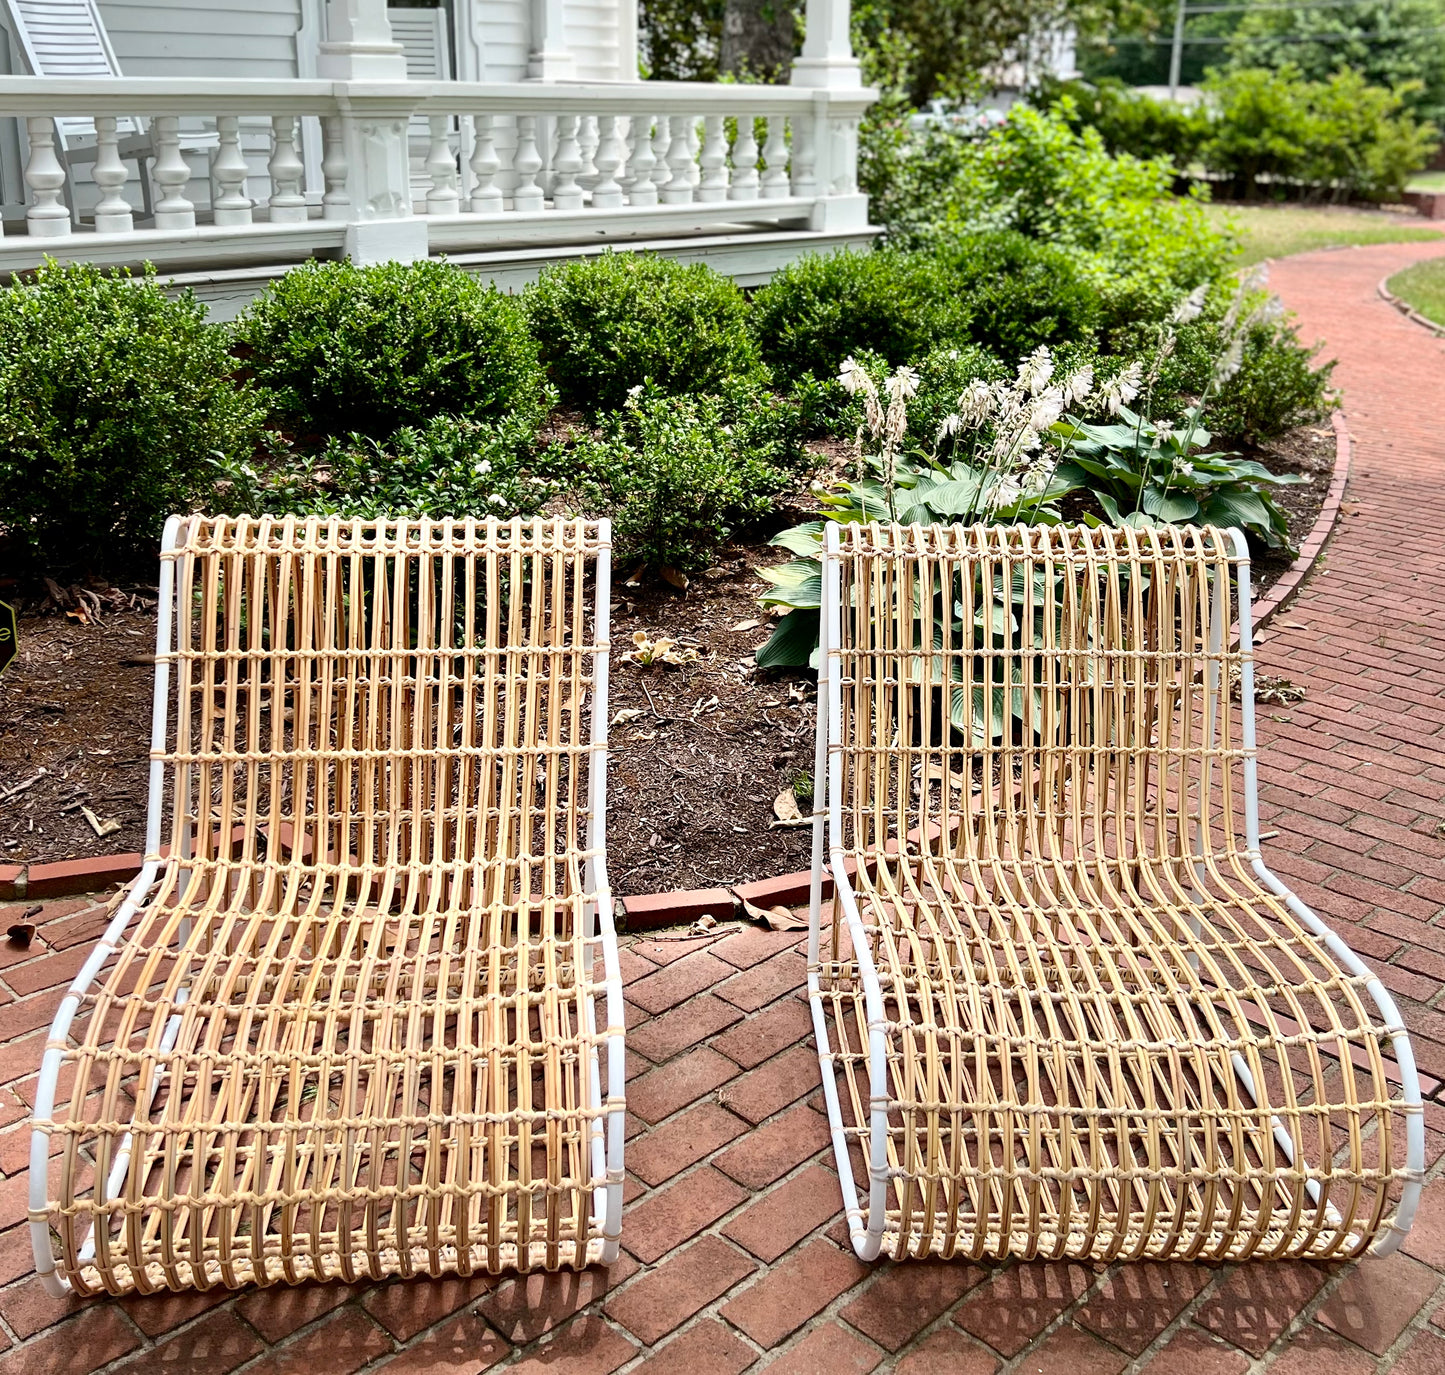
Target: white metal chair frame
{"points": [[873, 1134], [142, 1202]]}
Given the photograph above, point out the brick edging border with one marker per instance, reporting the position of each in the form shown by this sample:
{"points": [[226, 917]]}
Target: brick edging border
{"points": [[649, 911], [1309, 551], [1407, 310]]}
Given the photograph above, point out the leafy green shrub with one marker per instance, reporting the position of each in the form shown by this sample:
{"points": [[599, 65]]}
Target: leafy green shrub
{"points": [[824, 307], [451, 467], [347, 349], [114, 402], [1002, 291], [671, 474], [1392, 44], [1036, 174], [608, 324], [1339, 137], [1276, 388], [1021, 293], [1129, 121]]}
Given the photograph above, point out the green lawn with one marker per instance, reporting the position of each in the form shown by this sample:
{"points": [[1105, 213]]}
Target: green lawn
{"points": [[1268, 231], [1427, 181], [1423, 286]]}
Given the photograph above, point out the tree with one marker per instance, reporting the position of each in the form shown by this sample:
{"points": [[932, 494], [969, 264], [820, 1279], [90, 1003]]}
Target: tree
{"points": [[680, 39], [759, 38], [1388, 42]]}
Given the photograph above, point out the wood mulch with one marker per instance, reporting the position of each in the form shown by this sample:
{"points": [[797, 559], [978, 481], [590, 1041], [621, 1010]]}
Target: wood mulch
{"points": [[700, 752]]}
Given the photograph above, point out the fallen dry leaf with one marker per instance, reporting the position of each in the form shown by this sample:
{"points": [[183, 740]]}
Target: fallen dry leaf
{"points": [[778, 918], [747, 625], [785, 806], [623, 717]]}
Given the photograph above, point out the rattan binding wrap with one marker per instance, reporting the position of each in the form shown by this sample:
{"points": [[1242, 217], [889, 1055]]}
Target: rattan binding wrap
{"points": [[348, 1024], [1063, 1010]]}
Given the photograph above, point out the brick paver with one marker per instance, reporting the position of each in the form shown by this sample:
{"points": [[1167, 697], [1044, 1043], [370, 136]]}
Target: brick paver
{"points": [[734, 1255]]}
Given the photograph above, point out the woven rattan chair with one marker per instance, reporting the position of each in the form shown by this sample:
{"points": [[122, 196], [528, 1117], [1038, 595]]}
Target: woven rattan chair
{"points": [[346, 1025], [1062, 1008]]}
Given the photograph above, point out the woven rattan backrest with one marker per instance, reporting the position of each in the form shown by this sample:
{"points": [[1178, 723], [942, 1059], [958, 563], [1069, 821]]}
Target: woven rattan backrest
{"points": [[1044, 692], [405, 697]]}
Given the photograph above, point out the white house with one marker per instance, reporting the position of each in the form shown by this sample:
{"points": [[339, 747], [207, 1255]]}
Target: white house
{"points": [[226, 140]]}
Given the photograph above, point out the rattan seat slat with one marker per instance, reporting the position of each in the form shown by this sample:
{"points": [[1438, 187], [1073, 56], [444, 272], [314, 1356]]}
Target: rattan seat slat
{"points": [[360, 1015], [1062, 1007]]}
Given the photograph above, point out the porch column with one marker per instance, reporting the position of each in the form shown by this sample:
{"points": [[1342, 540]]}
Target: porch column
{"points": [[358, 44], [370, 153], [828, 66], [827, 59], [548, 58]]}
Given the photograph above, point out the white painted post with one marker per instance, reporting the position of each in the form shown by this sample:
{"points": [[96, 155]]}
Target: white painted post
{"points": [[775, 159], [713, 185], [678, 189], [172, 173], [288, 202], [485, 164], [641, 189], [607, 194], [828, 65], [444, 195], [335, 203], [827, 59], [745, 162], [527, 163], [48, 216], [359, 47], [566, 164], [113, 214], [232, 205], [548, 58]]}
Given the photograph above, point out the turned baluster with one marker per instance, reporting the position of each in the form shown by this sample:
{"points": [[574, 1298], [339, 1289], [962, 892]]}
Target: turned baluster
{"points": [[694, 148], [335, 202], [641, 189], [607, 193], [678, 190], [661, 142], [804, 180], [288, 204], [566, 194], [745, 162], [48, 216], [171, 173], [588, 140], [775, 157], [528, 162], [443, 196], [713, 185], [232, 205], [485, 164], [113, 213]]}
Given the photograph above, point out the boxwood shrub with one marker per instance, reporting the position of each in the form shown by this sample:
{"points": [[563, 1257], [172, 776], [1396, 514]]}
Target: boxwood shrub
{"points": [[609, 324], [343, 349], [115, 402]]}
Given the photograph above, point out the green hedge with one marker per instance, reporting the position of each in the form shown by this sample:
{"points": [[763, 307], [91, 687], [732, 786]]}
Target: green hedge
{"points": [[115, 403], [610, 324], [343, 349]]}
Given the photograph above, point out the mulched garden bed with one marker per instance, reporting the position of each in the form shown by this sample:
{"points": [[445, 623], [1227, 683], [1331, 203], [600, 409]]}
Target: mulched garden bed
{"points": [[700, 752]]}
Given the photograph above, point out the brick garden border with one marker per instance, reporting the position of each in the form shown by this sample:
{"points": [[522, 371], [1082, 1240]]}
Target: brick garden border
{"points": [[1407, 310], [650, 911]]}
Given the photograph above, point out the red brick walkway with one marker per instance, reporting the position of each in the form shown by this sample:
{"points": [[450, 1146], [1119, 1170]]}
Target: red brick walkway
{"points": [[732, 1236]]}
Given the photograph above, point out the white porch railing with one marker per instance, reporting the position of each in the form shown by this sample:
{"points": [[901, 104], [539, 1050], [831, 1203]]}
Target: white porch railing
{"points": [[407, 168]]}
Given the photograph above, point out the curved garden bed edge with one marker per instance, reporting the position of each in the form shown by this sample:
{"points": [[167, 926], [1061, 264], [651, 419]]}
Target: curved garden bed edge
{"points": [[1407, 310]]}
